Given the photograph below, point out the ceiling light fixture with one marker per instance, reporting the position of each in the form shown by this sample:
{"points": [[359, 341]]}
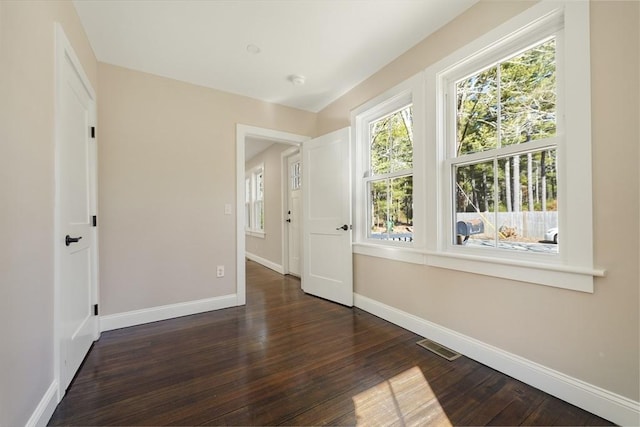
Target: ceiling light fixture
{"points": [[253, 49], [296, 79]]}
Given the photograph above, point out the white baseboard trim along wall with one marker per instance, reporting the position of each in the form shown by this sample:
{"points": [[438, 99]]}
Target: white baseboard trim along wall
{"points": [[265, 262], [45, 408], [613, 407], [164, 312]]}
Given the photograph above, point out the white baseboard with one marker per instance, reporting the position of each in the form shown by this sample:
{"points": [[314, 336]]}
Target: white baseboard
{"points": [[45, 408], [154, 314], [606, 404], [265, 262]]}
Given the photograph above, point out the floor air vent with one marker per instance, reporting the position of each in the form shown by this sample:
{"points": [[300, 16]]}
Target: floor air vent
{"points": [[438, 349]]}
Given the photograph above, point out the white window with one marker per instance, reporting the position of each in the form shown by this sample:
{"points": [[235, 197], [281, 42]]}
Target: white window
{"points": [[510, 147], [254, 201], [258, 202], [389, 171], [295, 176], [389, 179], [502, 150]]}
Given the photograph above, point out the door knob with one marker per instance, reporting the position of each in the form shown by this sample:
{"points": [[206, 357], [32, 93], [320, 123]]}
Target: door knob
{"points": [[288, 219], [69, 240], [344, 227]]}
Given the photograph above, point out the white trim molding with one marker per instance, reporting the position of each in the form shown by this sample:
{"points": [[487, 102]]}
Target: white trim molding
{"points": [[278, 268], [242, 132], [164, 312], [43, 412], [604, 403]]}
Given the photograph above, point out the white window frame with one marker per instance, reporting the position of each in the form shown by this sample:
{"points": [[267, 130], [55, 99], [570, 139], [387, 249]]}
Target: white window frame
{"points": [[409, 92], [573, 267], [255, 229], [550, 26], [247, 202]]}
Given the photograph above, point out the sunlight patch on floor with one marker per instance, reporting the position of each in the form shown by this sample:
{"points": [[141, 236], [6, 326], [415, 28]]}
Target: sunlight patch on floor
{"points": [[404, 400]]}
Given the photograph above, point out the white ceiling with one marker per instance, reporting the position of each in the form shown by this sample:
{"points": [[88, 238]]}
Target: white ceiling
{"points": [[335, 44]]}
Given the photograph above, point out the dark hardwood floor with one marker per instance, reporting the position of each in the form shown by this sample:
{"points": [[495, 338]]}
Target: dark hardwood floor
{"points": [[291, 359]]}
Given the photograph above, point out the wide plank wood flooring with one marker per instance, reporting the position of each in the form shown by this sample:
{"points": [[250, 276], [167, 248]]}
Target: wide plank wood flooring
{"points": [[287, 358]]}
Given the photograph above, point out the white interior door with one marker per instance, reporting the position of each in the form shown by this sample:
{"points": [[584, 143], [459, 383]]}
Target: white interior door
{"points": [[75, 172], [294, 218], [327, 257]]}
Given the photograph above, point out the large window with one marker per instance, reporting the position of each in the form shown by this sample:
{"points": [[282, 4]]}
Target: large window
{"points": [[254, 201], [482, 163], [502, 153], [388, 188], [509, 145]]}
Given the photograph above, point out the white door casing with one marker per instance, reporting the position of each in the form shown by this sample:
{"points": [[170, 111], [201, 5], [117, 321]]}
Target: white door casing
{"points": [[76, 326], [326, 180], [243, 132], [294, 169]]}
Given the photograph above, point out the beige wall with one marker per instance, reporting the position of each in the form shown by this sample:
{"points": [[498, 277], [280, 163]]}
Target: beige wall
{"points": [[27, 81], [166, 170], [269, 247], [593, 337]]}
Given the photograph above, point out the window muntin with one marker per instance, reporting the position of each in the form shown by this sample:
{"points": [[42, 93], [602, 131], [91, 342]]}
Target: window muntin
{"points": [[389, 178], [503, 157]]}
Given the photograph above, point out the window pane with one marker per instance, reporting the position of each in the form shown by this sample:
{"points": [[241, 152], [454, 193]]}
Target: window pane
{"points": [[528, 95], [528, 202], [259, 186], [295, 175], [259, 206], [477, 112], [526, 218], [247, 203], [391, 147], [526, 85], [391, 209], [475, 204]]}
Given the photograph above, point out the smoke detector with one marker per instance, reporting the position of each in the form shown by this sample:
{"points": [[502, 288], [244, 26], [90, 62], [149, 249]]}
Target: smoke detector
{"points": [[296, 79], [253, 49]]}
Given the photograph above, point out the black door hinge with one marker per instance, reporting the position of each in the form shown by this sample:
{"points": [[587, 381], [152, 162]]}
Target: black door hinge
{"points": [[95, 309], [93, 131], [94, 221]]}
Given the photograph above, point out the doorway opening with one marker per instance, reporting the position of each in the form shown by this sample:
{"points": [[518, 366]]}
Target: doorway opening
{"points": [[248, 139]]}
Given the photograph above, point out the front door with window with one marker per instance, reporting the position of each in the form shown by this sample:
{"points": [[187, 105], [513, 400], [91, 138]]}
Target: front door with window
{"points": [[294, 207]]}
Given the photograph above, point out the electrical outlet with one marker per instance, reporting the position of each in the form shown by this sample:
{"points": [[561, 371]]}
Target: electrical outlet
{"points": [[220, 271], [227, 209]]}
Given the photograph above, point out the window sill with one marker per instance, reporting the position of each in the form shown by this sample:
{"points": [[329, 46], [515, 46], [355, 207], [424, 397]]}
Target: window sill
{"points": [[396, 253], [555, 275], [253, 233]]}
